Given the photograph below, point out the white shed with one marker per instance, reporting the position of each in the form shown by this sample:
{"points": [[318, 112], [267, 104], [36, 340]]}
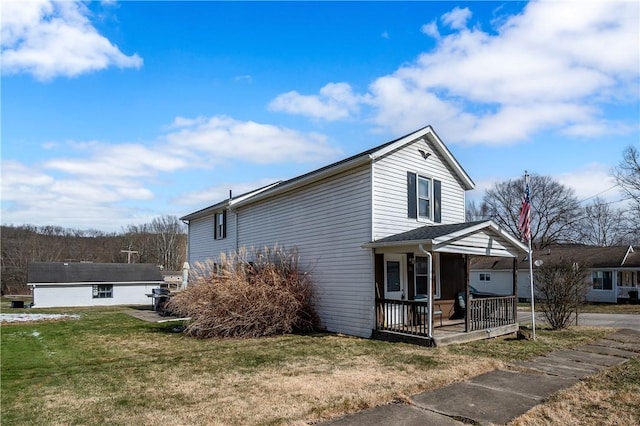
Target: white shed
{"points": [[66, 284]]}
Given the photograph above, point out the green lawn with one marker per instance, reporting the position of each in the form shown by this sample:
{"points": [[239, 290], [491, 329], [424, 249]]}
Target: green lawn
{"points": [[110, 368]]}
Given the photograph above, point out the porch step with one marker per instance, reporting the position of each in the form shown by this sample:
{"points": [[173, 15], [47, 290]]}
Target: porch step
{"points": [[453, 338]]}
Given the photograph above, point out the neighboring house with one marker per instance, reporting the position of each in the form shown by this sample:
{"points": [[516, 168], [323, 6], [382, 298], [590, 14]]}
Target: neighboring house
{"points": [[57, 284], [613, 271], [376, 231]]}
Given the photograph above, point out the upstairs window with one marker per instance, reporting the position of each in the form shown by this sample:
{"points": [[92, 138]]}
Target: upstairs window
{"points": [[220, 228], [423, 196]]}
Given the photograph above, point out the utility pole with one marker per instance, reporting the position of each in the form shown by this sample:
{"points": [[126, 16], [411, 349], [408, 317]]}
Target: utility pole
{"points": [[129, 252]]}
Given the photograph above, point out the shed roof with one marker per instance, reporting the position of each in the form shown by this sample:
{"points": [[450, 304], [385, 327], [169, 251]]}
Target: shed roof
{"points": [[77, 272]]}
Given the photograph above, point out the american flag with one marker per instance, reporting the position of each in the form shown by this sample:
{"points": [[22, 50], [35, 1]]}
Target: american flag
{"points": [[524, 222]]}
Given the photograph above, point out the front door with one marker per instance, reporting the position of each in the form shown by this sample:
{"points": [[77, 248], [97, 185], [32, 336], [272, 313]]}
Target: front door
{"points": [[395, 276]]}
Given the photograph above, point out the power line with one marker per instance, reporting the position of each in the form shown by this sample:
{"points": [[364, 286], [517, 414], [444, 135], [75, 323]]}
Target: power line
{"points": [[601, 192]]}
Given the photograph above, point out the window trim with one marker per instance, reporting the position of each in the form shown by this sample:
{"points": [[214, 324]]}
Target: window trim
{"points": [[220, 229], [413, 200]]}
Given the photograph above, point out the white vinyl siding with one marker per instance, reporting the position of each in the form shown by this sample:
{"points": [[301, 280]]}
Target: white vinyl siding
{"points": [[328, 221], [390, 189], [203, 245], [72, 294]]}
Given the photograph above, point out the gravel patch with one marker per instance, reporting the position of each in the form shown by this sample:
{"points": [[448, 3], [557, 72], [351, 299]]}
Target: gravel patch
{"points": [[35, 317]]}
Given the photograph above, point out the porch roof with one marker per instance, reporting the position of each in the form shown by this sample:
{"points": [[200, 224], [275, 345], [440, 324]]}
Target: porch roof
{"points": [[480, 238]]}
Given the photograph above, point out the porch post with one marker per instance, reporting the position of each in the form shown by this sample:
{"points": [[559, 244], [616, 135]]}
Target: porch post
{"points": [[467, 322], [515, 288]]}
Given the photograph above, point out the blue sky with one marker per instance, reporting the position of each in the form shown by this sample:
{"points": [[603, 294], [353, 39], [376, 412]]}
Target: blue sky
{"points": [[114, 113]]}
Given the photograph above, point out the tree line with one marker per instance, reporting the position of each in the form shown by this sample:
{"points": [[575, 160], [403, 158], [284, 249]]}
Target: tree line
{"points": [[162, 242], [557, 216]]}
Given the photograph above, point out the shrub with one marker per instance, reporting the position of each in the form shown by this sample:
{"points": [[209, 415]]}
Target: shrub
{"points": [[563, 289], [247, 294]]}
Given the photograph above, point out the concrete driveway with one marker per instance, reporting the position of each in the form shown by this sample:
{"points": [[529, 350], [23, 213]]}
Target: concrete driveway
{"points": [[596, 320]]}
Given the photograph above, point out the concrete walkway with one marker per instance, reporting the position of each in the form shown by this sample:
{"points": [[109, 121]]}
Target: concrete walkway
{"points": [[502, 395]]}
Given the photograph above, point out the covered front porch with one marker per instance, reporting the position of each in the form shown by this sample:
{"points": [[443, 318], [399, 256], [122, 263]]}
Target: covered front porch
{"points": [[422, 284]]}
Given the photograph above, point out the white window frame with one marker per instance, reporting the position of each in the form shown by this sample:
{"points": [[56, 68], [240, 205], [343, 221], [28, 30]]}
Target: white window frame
{"points": [[436, 276], [102, 291], [220, 231], [485, 276], [429, 217]]}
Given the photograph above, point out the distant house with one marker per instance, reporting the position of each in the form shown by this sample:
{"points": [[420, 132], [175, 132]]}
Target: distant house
{"points": [[57, 284], [172, 280], [613, 271], [382, 234]]}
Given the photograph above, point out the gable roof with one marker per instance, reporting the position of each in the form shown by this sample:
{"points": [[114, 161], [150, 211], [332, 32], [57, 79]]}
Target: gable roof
{"points": [[80, 272], [588, 256], [442, 236], [426, 132]]}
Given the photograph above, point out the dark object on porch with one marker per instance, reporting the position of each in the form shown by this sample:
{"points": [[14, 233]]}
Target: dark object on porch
{"points": [[423, 310], [459, 307], [633, 297], [19, 304]]}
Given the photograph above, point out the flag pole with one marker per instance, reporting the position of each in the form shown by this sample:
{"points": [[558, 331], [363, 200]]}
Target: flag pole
{"points": [[533, 311]]}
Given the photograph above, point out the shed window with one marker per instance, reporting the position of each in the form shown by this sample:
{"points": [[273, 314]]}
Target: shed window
{"points": [[602, 280], [103, 291]]}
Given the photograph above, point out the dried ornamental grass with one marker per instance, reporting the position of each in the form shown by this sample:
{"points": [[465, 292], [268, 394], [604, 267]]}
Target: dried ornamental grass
{"points": [[247, 294]]}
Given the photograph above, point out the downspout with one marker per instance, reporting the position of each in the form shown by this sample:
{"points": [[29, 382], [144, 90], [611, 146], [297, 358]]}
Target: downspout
{"points": [[429, 290]]}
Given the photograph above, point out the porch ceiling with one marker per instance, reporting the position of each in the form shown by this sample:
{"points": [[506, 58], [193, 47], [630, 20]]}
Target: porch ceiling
{"points": [[483, 238]]}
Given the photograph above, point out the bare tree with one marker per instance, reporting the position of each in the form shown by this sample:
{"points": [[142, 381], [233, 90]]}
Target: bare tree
{"points": [[475, 212], [562, 288], [603, 225], [555, 211], [627, 175]]}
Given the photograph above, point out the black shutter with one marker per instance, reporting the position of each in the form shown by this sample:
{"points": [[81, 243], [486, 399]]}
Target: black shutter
{"points": [[215, 226], [437, 195], [412, 205], [224, 224]]}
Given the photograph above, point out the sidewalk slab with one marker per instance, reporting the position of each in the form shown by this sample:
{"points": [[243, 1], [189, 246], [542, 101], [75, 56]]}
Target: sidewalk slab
{"points": [[476, 403], [535, 385], [395, 414], [626, 335], [627, 346], [560, 367], [584, 357], [607, 350]]}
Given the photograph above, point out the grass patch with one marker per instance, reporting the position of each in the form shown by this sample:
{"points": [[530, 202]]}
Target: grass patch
{"points": [[596, 308], [110, 368], [611, 397], [547, 340]]}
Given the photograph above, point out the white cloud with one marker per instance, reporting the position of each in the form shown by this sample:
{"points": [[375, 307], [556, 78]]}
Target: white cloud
{"points": [[556, 66], [222, 138], [431, 29], [219, 192], [97, 182], [591, 180], [335, 101], [457, 18], [50, 39]]}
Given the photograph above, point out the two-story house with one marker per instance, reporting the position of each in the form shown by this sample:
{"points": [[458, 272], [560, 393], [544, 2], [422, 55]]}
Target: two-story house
{"points": [[379, 232]]}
